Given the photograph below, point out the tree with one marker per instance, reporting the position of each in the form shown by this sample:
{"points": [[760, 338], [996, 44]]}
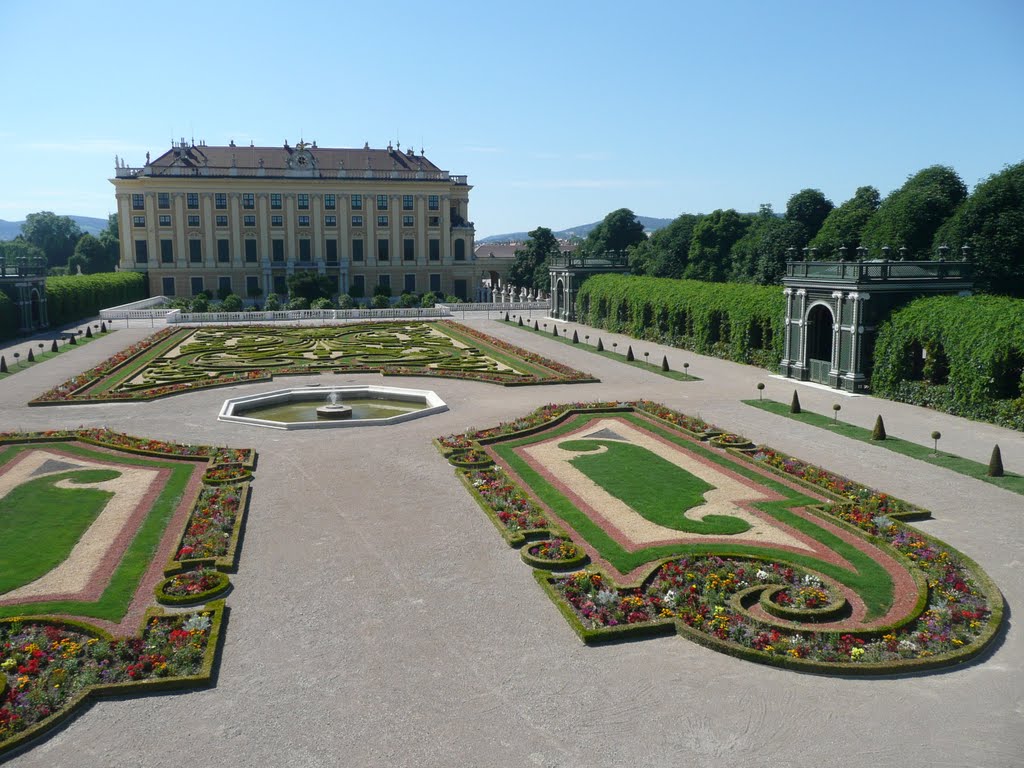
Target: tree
{"points": [[665, 252], [712, 241], [19, 248], [429, 300], [530, 268], [843, 226], [232, 303], [110, 238], [810, 208], [912, 214], [54, 235], [309, 286], [991, 223], [91, 255], [760, 255], [617, 231]]}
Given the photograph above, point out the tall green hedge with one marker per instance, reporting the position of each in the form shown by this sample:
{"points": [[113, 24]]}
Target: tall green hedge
{"points": [[8, 317], [74, 297], [729, 320], [961, 354]]}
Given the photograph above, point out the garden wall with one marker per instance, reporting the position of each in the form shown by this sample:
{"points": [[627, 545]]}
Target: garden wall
{"points": [[728, 320]]}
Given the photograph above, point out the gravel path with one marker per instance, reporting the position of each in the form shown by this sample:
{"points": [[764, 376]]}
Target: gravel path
{"points": [[378, 619]]}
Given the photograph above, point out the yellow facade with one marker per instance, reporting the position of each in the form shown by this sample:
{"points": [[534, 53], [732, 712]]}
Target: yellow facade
{"points": [[241, 219]]}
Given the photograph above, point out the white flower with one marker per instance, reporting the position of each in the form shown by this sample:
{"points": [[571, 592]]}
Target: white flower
{"points": [[761, 575], [605, 597]]}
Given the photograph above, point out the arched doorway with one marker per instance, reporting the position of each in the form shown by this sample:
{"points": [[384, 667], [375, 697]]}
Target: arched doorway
{"points": [[558, 300], [819, 342]]}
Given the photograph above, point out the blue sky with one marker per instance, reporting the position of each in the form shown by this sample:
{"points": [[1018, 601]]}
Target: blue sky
{"points": [[559, 112]]}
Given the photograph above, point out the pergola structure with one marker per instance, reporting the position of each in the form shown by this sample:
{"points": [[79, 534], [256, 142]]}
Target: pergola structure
{"points": [[834, 308], [568, 271], [24, 281]]}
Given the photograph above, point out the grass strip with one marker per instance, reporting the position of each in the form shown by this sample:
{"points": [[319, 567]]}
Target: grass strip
{"points": [[23, 364], [652, 367], [958, 464]]}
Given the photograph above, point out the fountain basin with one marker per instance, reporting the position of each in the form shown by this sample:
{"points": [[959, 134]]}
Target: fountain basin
{"points": [[356, 406]]}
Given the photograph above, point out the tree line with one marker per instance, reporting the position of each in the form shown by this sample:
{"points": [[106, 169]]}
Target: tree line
{"points": [[931, 216], [60, 242]]}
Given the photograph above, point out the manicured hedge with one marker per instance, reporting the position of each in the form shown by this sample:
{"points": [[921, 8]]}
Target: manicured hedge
{"points": [[75, 297], [728, 320], [961, 354], [8, 317]]}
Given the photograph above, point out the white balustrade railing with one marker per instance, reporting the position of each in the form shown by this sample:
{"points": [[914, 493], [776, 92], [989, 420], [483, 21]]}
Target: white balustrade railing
{"points": [[145, 309], [299, 315]]}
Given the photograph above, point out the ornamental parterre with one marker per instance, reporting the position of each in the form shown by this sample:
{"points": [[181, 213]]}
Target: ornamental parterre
{"points": [[837, 583]]}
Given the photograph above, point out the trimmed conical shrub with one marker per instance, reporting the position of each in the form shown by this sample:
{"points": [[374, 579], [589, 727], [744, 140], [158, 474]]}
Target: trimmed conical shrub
{"points": [[554, 329], [103, 327], [995, 463], [878, 433], [53, 347], [506, 317], [664, 363], [575, 338], [600, 345], [629, 354], [72, 340], [520, 321], [31, 357], [794, 407], [3, 364], [88, 332], [535, 326]]}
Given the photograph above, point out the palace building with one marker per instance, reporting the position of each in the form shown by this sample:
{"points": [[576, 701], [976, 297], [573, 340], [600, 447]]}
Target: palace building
{"points": [[242, 219]]}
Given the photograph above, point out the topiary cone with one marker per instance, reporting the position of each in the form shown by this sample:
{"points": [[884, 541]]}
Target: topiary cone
{"points": [[103, 327], [995, 463], [794, 407], [878, 433], [3, 364], [31, 357], [664, 363], [554, 329], [88, 332], [520, 321], [600, 345], [575, 338], [535, 326], [72, 340], [506, 317], [629, 354], [53, 347]]}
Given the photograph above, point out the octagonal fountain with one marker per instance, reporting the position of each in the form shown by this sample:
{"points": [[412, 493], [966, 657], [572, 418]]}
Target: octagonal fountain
{"points": [[345, 406]]}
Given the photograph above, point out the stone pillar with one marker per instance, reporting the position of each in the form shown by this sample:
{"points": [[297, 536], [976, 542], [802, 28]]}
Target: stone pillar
{"points": [[236, 233], [784, 365], [802, 324], [446, 230], [289, 231], [837, 335], [180, 242], [209, 246]]}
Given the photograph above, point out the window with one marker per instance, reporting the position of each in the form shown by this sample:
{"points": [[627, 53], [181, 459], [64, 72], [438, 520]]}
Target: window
{"points": [[141, 252], [460, 250], [249, 220], [195, 251], [303, 221], [277, 250], [165, 220], [222, 220], [357, 250], [250, 249], [384, 281], [460, 289], [435, 249], [406, 202], [252, 285], [330, 221], [407, 221], [357, 221], [382, 221], [163, 200], [223, 251], [305, 250], [434, 202], [357, 202], [409, 249], [303, 202], [331, 250], [277, 220], [192, 200], [138, 221], [138, 202], [196, 285], [435, 283], [223, 286], [280, 285], [220, 201], [358, 286], [433, 221], [166, 251], [382, 250], [248, 201], [167, 287], [382, 202], [410, 283], [275, 201], [330, 202], [193, 219]]}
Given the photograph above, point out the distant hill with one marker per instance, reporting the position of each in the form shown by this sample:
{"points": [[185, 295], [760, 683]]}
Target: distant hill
{"points": [[650, 225], [11, 229]]}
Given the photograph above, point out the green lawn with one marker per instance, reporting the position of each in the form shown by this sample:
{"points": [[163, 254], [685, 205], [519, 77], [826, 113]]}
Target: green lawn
{"points": [[653, 367], [926, 453], [40, 355], [866, 577]]}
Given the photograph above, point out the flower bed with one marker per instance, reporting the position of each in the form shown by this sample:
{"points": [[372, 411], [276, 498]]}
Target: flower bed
{"points": [[507, 506], [52, 666], [470, 458], [728, 440], [191, 587], [557, 554], [227, 473], [213, 528]]}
